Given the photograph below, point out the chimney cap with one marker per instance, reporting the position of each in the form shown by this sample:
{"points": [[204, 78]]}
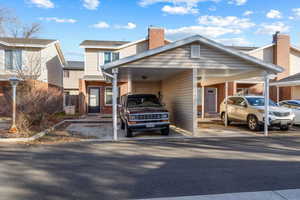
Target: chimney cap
{"points": [[155, 27]]}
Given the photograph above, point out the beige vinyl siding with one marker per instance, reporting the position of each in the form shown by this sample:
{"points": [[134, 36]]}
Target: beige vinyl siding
{"points": [[52, 65], [93, 59], [294, 62], [179, 96], [146, 87], [72, 82], [134, 49], [265, 54], [296, 92], [180, 58]]}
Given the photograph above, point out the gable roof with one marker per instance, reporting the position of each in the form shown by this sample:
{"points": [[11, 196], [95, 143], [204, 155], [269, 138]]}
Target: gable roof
{"points": [[107, 43], [74, 65], [25, 42], [195, 38]]}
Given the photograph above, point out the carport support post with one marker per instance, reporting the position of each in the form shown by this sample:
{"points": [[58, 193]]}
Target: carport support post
{"points": [[115, 96], [277, 93], [202, 99], [226, 107], [267, 96]]}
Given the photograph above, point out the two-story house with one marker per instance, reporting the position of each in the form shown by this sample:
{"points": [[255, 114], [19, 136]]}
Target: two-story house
{"points": [[38, 59], [95, 91], [73, 72]]}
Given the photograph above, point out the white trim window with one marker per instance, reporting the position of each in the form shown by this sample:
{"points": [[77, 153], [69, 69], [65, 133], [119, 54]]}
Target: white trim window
{"points": [[108, 96], [13, 59], [111, 56]]}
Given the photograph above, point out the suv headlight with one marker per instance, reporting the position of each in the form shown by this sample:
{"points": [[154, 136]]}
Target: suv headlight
{"points": [[271, 113], [164, 116], [132, 117]]}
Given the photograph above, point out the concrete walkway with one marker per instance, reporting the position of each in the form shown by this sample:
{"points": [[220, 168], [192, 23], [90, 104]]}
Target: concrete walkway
{"points": [[264, 195]]}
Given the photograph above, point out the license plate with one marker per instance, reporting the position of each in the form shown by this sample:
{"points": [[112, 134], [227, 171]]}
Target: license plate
{"points": [[283, 122], [150, 125]]}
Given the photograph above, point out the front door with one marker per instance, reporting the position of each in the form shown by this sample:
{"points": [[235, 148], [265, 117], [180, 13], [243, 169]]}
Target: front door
{"points": [[210, 100], [94, 100]]}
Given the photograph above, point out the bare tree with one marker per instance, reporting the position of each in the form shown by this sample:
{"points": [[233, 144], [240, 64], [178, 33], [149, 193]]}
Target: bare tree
{"points": [[11, 26]]}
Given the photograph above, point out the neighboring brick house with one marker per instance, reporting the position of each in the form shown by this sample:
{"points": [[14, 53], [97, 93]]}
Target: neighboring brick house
{"points": [[95, 91], [27, 57], [73, 71]]}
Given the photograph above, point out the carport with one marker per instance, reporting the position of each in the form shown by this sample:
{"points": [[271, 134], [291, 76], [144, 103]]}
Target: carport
{"points": [[173, 71]]}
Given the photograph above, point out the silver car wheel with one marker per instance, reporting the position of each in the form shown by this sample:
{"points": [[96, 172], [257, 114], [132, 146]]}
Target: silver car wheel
{"points": [[252, 123]]}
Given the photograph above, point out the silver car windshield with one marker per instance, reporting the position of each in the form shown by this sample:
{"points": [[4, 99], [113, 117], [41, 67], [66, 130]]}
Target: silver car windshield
{"points": [[258, 101]]}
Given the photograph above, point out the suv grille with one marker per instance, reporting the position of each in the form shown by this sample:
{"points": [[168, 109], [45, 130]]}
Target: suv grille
{"points": [[279, 114], [149, 116]]}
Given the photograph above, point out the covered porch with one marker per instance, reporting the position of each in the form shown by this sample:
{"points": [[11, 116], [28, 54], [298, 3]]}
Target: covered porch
{"points": [[173, 72]]}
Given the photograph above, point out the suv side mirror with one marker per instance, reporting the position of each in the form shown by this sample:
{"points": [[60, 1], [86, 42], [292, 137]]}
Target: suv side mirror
{"points": [[244, 104]]}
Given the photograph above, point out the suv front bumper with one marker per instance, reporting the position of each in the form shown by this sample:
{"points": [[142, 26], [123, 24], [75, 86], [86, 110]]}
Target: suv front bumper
{"points": [[149, 126], [283, 121]]}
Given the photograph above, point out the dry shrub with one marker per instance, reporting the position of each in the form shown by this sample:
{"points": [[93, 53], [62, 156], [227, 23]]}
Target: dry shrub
{"points": [[36, 106]]}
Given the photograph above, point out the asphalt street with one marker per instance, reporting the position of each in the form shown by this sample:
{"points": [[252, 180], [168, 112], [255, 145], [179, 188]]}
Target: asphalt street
{"points": [[148, 169]]}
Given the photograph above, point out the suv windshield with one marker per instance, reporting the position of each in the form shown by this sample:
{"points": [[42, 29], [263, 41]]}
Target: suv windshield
{"points": [[143, 101], [259, 101]]}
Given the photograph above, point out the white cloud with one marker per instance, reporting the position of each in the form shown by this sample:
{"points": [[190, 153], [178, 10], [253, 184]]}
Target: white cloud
{"points": [[192, 3], [229, 21], [213, 8], [201, 30], [274, 14], [58, 20], [42, 3], [270, 29], [296, 12], [239, 41], [179, 10], [129, 25], [91, 4], [238, 2], [248, 13], [101, 25]]}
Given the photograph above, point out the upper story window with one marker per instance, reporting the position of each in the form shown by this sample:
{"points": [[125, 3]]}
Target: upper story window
{"points": [[13, 59], [111, 56], [66, 73]]}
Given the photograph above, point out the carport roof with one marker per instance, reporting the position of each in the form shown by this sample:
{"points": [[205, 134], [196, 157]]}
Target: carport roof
{"points": [[195, 38], [292, 80]]}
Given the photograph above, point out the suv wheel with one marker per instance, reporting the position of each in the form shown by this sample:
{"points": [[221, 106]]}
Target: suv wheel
{"points": [[253, 123], [223, 119], [128, 131], [165, 131], [122, 124]]}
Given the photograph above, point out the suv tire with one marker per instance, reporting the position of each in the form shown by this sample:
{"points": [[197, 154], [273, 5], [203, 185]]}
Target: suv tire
{"points": [[285, 128], [165, 131], [253, 124], [223, 119], [128, 131]]}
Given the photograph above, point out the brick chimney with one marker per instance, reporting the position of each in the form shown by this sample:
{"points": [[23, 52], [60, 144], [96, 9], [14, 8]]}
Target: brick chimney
{"points": [[281, 57], [156, 37], [282, 53]]}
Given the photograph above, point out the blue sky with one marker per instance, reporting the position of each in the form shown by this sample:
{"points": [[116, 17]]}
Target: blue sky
{"points": [[238, 22]]}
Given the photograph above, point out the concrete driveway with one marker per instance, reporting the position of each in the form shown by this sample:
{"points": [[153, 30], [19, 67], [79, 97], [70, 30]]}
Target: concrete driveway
{"points": [[149, 169]]}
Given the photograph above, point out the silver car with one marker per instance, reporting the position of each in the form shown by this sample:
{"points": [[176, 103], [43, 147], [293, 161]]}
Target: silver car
{"points": [[250, 109]]}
